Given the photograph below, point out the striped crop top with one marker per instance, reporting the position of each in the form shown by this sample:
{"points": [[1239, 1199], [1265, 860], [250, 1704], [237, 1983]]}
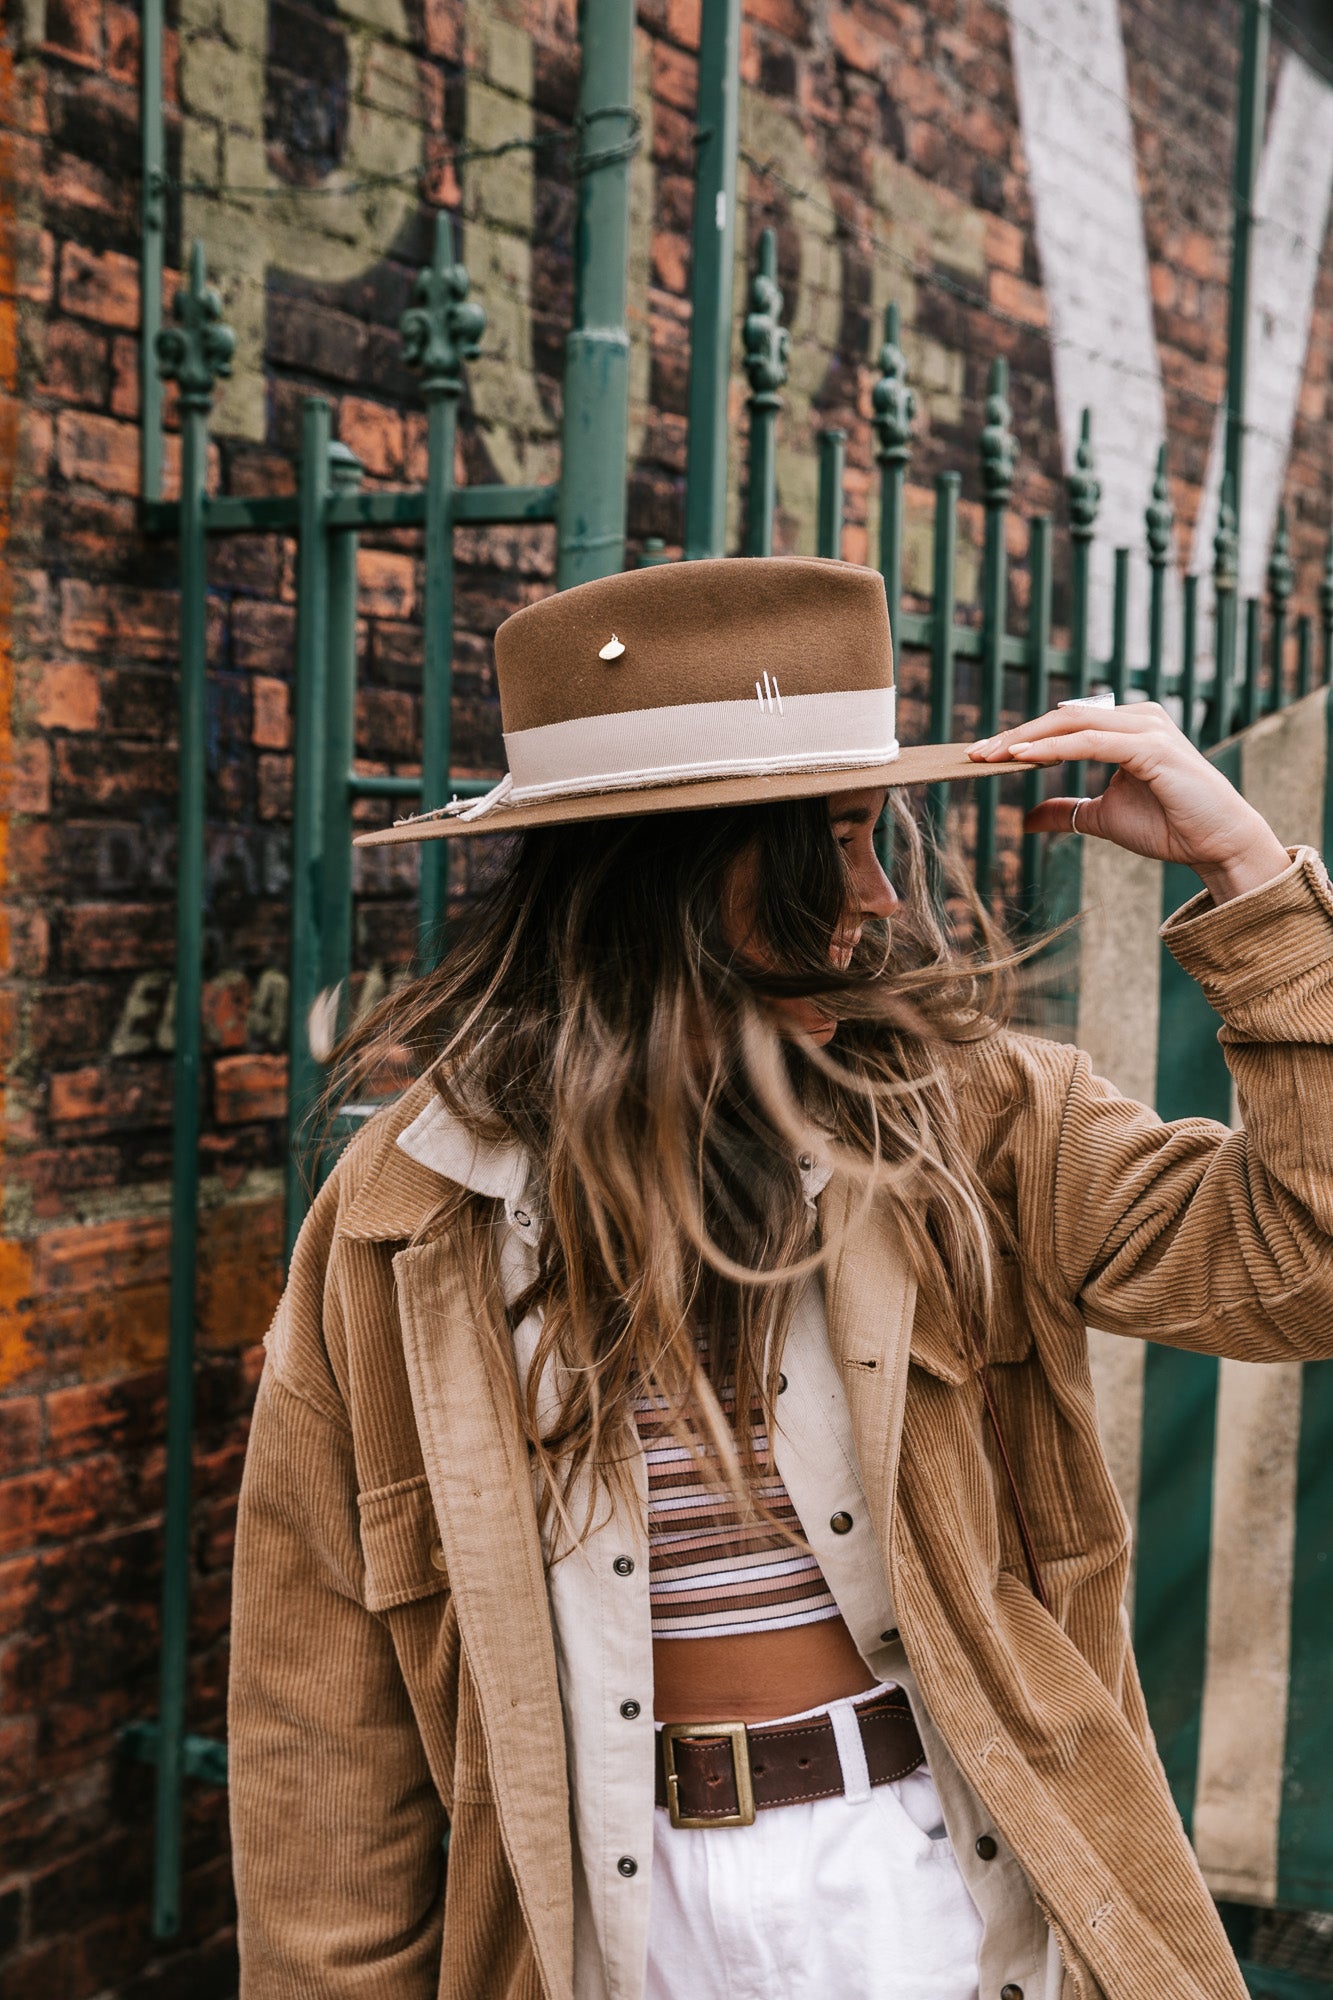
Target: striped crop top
{"points": [[713, 1572]]}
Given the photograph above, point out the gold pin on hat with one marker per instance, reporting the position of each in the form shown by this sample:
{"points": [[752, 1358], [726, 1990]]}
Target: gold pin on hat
{"points": [[612, 649]]}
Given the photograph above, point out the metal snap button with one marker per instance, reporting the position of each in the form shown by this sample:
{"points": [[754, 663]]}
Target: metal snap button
{"points": [[889, 1638], [623, 1565], [841, 1524], [437, 1556], [627, 1865], [1011, 1992], [806, 1162], [630, 1710], [987, 1848], [522, 1218], [782, 1383]]}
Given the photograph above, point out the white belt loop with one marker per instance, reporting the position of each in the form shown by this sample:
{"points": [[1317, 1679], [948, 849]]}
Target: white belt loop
{"points": [[851, 1752]]}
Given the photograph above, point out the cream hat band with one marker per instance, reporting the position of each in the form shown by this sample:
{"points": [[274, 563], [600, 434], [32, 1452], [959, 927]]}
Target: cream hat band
{"points": [[832, 731]]}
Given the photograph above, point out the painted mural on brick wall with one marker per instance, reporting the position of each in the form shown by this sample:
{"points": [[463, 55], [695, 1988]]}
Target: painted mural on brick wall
{"points": [[1050, 182]]}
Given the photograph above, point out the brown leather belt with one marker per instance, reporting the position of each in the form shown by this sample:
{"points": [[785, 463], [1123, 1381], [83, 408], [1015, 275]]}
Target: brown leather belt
{"points": [[721, 1773]]}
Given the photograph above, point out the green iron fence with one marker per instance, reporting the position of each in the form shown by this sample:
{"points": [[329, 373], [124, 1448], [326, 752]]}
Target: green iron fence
{"points": [[973, 661]]}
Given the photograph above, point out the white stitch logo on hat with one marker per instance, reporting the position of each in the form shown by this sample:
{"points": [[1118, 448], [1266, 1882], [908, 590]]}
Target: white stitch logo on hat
{"points": [[770, 696], [612, 649]]}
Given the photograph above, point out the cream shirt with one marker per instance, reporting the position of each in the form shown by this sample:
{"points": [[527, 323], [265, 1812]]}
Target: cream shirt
{"points": [[602, 1624]]}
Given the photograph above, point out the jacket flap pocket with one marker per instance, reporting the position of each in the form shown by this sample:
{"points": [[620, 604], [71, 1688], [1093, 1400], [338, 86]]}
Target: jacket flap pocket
{"points": [[401, 1544], [939, 1344]]}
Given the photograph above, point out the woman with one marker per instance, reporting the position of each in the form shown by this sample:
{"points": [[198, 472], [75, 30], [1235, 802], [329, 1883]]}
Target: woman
{"points": [[675, 1473]]}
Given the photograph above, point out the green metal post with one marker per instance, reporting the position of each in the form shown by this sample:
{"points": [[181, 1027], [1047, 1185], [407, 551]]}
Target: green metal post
{"points": [[894, 406], [194, 353], [717, 144], [590, 525], [1255, 22], [1158, 520], [152, 246], [441, 330], [1118, 666], [1304, 655], [335, 929], [766, 343], [1326, 616], [308, 792], [999, 450], [1085, 494], [1038, 700], [832, 466], [947, 488], [1189, 656], [1225, 578], [1254, 654], [1281, 583]]}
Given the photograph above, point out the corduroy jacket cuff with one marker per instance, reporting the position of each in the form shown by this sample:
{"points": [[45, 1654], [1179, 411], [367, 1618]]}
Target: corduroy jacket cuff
{"points": [[1258, 942]]}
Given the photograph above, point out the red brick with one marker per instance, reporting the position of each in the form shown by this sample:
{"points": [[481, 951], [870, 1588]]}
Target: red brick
{"points": [[443, 26], [1021, 301], [66, 696], [74, 31], [59, 1501], [386, 584], [271, 725], [675, 77], [263, 636], [246, 1088], [99, 450], [75, 364], [142, 623], [275, 787], [20, 1432], [682, 22], [124, 396], [226, 1011], [26, 786], [105, 1100], [671, 260], [121, 29], [103, 287], [857, 45], [374, 432], [103, 1416], [98, 1256]]}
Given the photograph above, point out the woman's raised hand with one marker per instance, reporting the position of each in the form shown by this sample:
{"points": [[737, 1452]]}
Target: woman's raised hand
{"points": [[1164, 799]]}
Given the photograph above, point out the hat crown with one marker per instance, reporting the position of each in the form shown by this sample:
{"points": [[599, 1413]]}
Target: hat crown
{"points": [[681, 634]]}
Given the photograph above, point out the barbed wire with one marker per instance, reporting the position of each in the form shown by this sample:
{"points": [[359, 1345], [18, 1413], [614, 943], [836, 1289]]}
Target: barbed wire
{"points": [[1174, 134], [421, 176], [967, 295]]}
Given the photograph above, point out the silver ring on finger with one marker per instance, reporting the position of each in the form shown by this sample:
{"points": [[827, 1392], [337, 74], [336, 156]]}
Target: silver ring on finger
{"points": [[1074, 826]]}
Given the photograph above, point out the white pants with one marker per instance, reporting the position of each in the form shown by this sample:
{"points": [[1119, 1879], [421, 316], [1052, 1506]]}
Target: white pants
{"points": [[851, 1898]]}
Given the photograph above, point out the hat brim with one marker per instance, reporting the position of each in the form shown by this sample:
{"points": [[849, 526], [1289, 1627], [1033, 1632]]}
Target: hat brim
{"points": [[921, 764]]}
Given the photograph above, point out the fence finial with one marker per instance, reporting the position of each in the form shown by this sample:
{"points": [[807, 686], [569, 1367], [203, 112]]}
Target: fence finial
{"points": [[443, 328], [894, 402], [1083, 486], [198, 349], [1225, 549], [1281, 569], [1160, 517], [999, 446], [766, 338]]}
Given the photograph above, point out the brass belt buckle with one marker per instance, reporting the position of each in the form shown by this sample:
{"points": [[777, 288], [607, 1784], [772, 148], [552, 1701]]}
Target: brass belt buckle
{"points": [[740, 1764]]}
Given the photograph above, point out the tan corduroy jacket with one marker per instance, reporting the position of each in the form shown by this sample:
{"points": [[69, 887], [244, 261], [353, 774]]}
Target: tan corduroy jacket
{"points": [[393, 1665]]}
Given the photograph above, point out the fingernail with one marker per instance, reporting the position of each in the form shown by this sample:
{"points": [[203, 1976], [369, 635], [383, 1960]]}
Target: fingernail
{"points": [[986, 743]]}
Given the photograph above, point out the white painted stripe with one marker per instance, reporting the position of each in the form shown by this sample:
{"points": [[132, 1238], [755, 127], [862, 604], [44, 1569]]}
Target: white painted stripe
{"points": [[1117, 1027], [1243, 1729], [836, 731], [1069, 63], [1291, 197]]}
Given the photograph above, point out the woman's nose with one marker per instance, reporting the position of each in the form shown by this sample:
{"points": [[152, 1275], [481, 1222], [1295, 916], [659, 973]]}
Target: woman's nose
{"points": [[876, 895]]}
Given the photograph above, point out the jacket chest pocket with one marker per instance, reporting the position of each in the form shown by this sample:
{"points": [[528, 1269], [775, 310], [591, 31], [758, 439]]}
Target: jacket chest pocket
{"points": [[400, 1542]]}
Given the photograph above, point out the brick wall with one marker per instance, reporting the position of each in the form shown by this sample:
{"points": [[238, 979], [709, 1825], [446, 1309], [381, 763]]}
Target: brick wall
{"points": [[902, 120]]}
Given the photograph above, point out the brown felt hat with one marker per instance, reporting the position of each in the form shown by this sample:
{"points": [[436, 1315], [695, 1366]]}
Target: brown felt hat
{"points": [[690, 685]]}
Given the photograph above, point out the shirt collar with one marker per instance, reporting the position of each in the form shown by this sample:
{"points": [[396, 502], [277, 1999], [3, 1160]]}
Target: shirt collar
{"points": [[438, 1139]]}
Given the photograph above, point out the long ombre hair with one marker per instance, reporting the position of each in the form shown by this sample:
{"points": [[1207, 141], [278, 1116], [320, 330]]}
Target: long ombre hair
{"points": [[591, 1010]]}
